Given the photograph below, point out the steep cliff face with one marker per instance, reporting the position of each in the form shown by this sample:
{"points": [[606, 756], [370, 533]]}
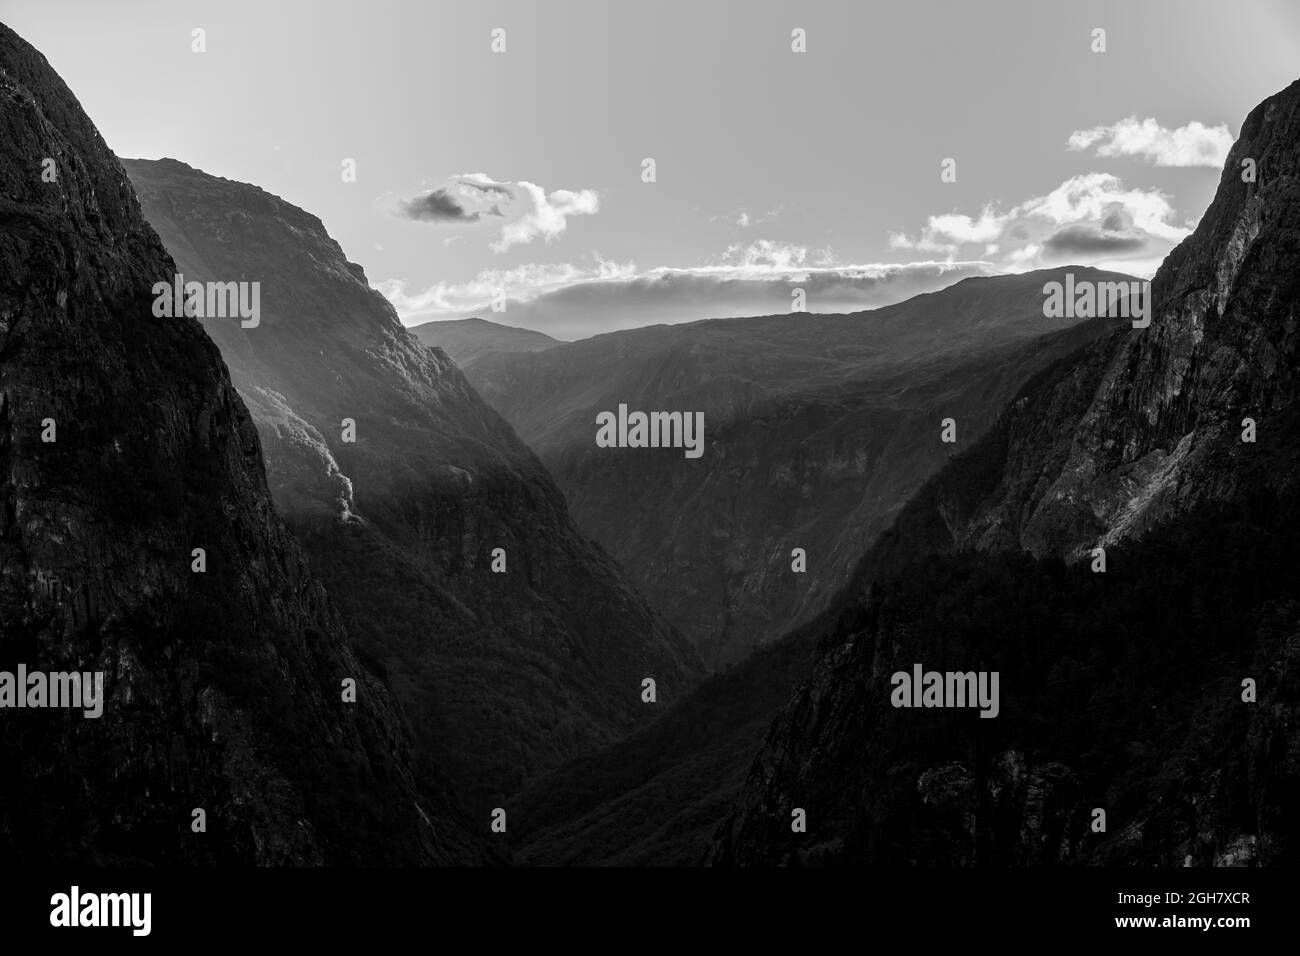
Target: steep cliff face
{"points": [[818, 429], [1152, 422], [506, 674], [1121, 691], [124, 447]]}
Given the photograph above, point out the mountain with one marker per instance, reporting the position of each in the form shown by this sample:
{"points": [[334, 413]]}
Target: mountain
{"points": [[505, 673], [818, 428], [123, 448], [1162, 691], [468, 340], [658, 796], [732, 288]]}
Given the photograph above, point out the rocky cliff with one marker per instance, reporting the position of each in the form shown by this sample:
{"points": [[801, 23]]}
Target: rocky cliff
{"points": [[506, 672], [1123, 691], [123, 448]]}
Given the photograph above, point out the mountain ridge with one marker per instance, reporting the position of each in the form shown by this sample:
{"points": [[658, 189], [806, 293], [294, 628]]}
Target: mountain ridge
{"points": [[468, 340]]}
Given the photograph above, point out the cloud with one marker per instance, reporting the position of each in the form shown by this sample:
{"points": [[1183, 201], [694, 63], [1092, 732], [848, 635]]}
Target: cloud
{"points": [[522, 211], [549, 216], [1192, 145], [763, 255], [1114, 234], [521, 283], [437, 206], [1091, 219], [746, 219], [485, 184], [1088, 240], [574, 301], [946, 233]]}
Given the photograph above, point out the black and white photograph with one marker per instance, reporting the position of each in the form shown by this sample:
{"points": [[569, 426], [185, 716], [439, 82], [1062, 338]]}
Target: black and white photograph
{"points": [[459, 456]]}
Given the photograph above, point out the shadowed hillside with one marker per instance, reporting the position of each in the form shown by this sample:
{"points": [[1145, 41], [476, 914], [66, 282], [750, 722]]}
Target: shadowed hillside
{"points": [[505, 674]]}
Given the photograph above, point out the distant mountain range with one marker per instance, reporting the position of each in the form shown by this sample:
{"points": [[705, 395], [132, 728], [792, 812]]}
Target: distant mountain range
{"points": [[673, 296], [468, 340], [818, 429]]}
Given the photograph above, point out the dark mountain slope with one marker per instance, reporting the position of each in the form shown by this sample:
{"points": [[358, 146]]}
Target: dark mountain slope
{"points": [[658, 797], [1121, 690], [506, 674], [468, 340], [818, 429], [223, 688]]}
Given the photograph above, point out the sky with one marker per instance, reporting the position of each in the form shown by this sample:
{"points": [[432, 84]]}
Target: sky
{"points": [[516, 177]]}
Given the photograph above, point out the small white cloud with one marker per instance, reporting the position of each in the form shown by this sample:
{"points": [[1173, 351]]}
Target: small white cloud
{"points": [[549, 216], [746, 219], [948, 232], [764, 255], [1192, 145]]}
